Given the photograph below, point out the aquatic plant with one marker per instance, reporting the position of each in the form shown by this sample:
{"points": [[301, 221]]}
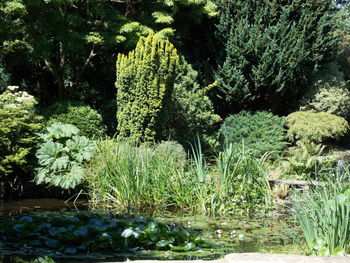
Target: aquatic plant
{"points": [[80, 233], [131, 178], [128, 178], [324, 215], [243, 182]]}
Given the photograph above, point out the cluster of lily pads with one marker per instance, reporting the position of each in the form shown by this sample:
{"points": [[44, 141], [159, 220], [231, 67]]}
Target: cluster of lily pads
{"points": [[66, 235]]}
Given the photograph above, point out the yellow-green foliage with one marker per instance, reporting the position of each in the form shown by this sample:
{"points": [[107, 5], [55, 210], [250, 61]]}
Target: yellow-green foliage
{"points": [[316, 126], [145, 80], [329, 92]]}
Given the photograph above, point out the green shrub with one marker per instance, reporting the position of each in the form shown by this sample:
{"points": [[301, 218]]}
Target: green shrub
{"points": [[19, 125], [315, 126], [62, 155], [164, 101], [173, 152], [145, 82], [260, 132], [329, 92], [271, 48], [88, 120], [193, 112]]}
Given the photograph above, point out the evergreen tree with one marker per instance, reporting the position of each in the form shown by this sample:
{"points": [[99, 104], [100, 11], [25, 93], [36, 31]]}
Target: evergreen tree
{"points": [[193, 112], [271, 49], [145, 80]]}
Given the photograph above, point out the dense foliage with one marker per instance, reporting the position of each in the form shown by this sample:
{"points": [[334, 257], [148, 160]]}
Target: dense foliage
{"points": [[61, 156], [259, 132], [243, 182], [88, 121], [19, 124], [145, 82], [324, 215], [315, 126], [78, 62], [193, 111], [329, 92], [307, 161], [86, 233], [271, 48], [163, 76], [151, 179]]}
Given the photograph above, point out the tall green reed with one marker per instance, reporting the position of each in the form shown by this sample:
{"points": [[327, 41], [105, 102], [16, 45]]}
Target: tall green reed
{"points": [[243, 183], [324, 215], [145, 179], [129, 178]]}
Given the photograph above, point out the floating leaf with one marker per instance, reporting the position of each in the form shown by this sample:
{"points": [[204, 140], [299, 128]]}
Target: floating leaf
{"points": [[51, 243], [70, 250], [189, 246], [129, 232], [81, 231], [27, 219], [163, 243]]}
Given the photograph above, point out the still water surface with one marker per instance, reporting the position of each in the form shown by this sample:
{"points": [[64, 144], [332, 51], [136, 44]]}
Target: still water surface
{"points": [[227, 235]]}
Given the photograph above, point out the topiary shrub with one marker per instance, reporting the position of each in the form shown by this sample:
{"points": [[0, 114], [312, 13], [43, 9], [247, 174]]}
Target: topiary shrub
{"points": [[19, 125], [329, 92], [87, 120], [62, 155], [315, 126], [260, 132], [145, 81]]}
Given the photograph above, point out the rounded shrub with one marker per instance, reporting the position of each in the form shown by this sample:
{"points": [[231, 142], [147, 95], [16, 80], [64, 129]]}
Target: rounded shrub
{"points": [[315, 126], [88, 120], [260, 132], [172, 152]]}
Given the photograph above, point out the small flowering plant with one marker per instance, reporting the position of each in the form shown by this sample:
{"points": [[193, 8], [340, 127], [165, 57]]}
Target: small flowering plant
{"points": [[19, 125], [12, 97]]}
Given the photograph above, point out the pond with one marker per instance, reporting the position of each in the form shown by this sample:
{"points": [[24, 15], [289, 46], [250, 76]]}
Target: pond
{"points": [[220, 236]]}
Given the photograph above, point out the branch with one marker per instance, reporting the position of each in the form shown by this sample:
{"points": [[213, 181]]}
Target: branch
{"points": [[83, 68]]}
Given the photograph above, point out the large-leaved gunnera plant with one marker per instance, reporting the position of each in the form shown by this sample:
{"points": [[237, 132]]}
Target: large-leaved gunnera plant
{"points": [[62, 156]]}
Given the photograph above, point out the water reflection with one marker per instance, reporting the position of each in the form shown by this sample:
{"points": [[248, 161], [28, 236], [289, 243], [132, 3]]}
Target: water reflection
{"points": [[6, 259], [24, 206]]}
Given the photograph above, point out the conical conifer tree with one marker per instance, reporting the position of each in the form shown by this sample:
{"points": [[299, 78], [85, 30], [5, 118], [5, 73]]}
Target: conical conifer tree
{"points": [[145, 81]]}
